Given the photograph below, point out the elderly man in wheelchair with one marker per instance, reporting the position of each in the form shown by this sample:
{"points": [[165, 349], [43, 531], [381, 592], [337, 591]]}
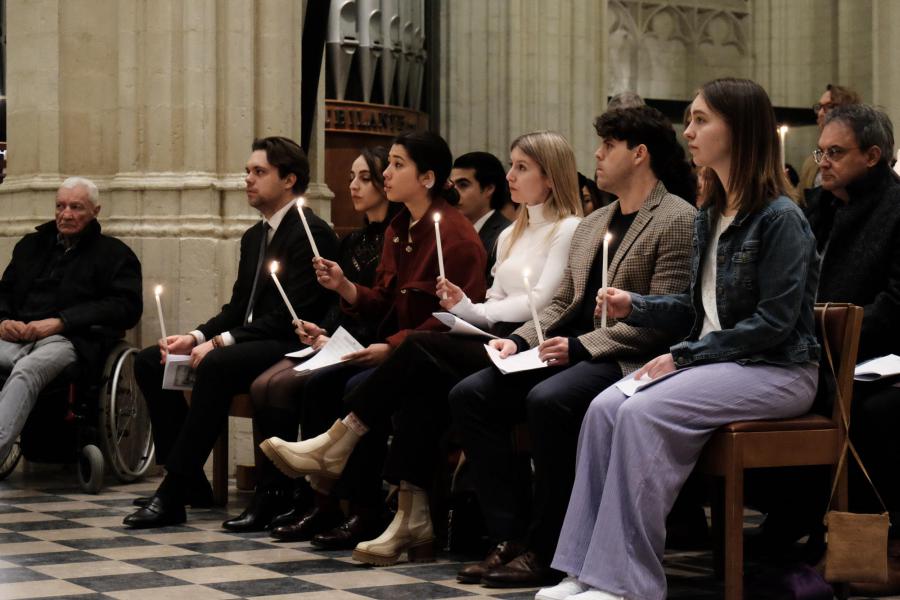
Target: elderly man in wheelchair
{"points": [[66, 282]]}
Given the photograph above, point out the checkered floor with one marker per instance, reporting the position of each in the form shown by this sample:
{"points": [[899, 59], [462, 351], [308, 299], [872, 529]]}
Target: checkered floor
{"points": [[58, 542]]}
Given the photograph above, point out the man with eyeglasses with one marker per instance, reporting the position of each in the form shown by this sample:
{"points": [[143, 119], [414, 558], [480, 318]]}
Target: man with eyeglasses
{"points": [[832, 97], [855, 216]]}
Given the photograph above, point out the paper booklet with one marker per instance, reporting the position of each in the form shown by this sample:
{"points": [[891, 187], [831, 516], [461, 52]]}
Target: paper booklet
{"points": [[460, 327], [178, 374], [308, 351], [629, 385], [339, 345], [877, 368], [523, 361]]}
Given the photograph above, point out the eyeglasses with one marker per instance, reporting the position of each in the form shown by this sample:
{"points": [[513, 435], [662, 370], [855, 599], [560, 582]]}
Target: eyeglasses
{"points": [[826, 107], [834, 153]]}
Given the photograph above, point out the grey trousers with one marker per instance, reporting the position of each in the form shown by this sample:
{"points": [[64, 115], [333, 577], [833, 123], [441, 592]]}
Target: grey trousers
{"points": [[30, 367], [634, 454]]}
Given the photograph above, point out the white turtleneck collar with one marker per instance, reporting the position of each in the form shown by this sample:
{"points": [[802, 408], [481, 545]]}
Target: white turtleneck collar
{"points": [[536, 214]]}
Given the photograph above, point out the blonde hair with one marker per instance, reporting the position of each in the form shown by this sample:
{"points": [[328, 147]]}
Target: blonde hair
{"points": [[554, 155]]}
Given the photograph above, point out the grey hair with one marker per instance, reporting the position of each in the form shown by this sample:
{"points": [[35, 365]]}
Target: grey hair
{"points": [[625, 100], [87, 184], [870, 125]]}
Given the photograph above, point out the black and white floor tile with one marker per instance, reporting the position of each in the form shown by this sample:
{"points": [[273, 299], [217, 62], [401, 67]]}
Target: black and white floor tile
{"points": [[57, 542]]}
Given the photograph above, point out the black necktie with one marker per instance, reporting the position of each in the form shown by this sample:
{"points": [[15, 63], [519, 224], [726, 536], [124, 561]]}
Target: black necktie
{"points": [[263, 243]]}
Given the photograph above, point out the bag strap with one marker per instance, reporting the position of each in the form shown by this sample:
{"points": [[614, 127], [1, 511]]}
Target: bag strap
{"points": [[846, 420]]}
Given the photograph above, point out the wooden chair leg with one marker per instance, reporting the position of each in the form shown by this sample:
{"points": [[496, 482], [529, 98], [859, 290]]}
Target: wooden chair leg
{"points": [[734, 532], [220, 470], [717, 514]]}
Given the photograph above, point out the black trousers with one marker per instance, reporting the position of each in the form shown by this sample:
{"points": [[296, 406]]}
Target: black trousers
{"points": [[874, 427], [185, 436], [408, 393], [486, 407]]}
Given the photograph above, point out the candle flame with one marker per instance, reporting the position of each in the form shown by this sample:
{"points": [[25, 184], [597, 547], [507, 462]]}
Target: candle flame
{"points": [[157, 290], [273, 266], [607, 238], [783, 129], [301, 201], [526, 272], [436, 216]]}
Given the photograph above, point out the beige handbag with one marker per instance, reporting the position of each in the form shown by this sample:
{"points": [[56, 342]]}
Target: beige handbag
{"points": [[857, 544]]}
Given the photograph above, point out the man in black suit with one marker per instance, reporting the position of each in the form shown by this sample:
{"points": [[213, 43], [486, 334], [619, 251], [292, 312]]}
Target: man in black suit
{"points": [[251, 332], [480, 180]]}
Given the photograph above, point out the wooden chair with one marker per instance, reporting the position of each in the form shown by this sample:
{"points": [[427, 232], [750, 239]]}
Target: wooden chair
{"points": [[806, 440], [241, 406]]}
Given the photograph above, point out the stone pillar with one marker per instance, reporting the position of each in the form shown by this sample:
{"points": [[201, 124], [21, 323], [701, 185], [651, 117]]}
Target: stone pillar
{"points": [[512, 67], [886, 79], [158, 102]]}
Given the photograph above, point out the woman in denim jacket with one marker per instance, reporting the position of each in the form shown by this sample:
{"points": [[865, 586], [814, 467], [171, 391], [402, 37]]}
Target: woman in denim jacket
{"points": [[750, 352]]}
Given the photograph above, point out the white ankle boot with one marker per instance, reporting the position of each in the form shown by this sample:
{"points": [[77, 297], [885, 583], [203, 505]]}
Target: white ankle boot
{"points": [[410, 531], [325, 455]]}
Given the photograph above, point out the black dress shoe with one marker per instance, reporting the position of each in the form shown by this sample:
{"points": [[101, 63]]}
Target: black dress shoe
{"points": [[313, 522], [156, 514], [264, 506], [355, 529], [499, 556], [525, 570], [199, 494], [286, 518]]}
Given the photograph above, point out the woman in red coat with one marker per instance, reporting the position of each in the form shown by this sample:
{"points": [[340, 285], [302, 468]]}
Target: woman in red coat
{"points": [[401, 301]]}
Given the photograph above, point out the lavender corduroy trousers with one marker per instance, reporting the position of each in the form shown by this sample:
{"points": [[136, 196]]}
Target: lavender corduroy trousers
{"points": [[634, 455]]}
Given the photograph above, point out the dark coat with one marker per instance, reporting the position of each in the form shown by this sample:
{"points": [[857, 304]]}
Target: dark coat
{"points": [[101, 285], [290, 247], [403, 296], [489, 233], [861, 262]]}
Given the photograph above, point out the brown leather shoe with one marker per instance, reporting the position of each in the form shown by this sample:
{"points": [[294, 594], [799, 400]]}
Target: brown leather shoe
{"points": [[315, 521], [525, 570], [499, 556]]}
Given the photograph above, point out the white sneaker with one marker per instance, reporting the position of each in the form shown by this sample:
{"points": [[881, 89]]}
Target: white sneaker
{"points": [[563, 590], [594, 594]]}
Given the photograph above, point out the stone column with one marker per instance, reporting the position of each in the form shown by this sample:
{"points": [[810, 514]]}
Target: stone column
{"points": [[512, 67], [885, 78], [158, 102]]}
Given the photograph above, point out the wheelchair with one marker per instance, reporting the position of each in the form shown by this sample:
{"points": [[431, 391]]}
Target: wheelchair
{"points": [[93, 420]]}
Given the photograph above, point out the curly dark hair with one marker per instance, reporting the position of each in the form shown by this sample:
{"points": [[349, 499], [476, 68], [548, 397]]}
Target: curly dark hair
{"points": [[648, 126]]}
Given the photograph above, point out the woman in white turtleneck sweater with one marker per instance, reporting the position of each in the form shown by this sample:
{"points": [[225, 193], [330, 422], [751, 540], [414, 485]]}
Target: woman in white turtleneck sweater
{"points": [[541, 251], [415, 380]]}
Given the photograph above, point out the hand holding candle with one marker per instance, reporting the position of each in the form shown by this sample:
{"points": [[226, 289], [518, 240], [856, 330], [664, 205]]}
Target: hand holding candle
{"points": [[273, 268], [605, 277], [157, 291], [301, 202], [440, 250], [534, 314]]}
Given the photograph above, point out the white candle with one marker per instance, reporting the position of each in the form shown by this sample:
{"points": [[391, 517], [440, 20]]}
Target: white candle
{"points": [[162, 324], [301, 202], [605, 281], [782, 133], [534, 314], [273, 268], [440, 250]]}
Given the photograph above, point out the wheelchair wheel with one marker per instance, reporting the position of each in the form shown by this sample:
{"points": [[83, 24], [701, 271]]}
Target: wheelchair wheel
{"points": [[125, 433], [90, 469], [9, 462]]}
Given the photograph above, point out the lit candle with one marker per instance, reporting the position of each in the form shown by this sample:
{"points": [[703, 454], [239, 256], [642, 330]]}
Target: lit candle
{"points": [[273, 268], [162, 324], [534, 315], [440, 251], [605, 281], [782, 133], [301, 202]]}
